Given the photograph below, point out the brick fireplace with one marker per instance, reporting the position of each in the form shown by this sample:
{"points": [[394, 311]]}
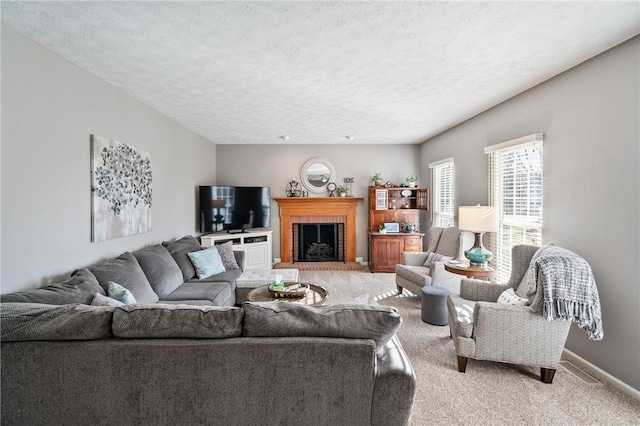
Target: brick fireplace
{"points": [[317, 210]]}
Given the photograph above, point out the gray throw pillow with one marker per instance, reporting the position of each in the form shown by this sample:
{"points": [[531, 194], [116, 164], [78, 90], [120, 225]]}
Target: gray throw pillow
{"points": [[177, 321], [179, 249], [161, 269], [34, 321], [125, 270], [79, 288], [226, 254], [282, 319]]}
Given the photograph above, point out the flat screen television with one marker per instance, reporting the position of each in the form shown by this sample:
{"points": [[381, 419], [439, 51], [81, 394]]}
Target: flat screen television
{"points": [[234, 208]]}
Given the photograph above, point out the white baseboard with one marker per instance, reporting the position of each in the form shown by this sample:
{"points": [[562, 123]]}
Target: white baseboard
{"points": [[600, 374], [276, 260], [359, 259]]}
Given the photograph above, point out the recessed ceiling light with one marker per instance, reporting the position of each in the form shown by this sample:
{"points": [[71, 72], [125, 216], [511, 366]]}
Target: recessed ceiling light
{"points": [[350, 138], [284, 138]]}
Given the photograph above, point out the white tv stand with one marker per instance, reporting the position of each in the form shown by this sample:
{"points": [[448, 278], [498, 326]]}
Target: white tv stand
{"points": [[256, 244]]}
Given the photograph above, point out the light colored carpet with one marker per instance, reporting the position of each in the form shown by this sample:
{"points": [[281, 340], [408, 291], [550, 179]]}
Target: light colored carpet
{"points": [[489, 392]]}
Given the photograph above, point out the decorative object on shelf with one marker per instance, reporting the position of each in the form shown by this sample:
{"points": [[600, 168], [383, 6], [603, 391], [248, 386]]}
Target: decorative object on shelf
{"points": [[478, 219], [349, 182], [376, 179], [342, 191], [389, 184], [294, 189], [121, 189], [382, 228], [405, 193], [392, 226], [408, 227], [412, 181], [331, 187]]}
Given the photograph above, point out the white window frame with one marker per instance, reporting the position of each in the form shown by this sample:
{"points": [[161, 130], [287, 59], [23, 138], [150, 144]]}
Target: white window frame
{"points": [[443, 193], [516, 182]]}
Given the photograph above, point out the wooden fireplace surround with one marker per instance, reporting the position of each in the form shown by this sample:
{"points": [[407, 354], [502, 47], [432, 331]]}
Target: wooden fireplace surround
{"points": [[317, 210]]}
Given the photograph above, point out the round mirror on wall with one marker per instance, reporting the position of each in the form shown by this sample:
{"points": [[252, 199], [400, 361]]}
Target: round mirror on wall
{"points": [[316, 174]]}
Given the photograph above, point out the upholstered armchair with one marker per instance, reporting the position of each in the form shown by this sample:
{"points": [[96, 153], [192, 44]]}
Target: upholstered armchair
{"points": [[485, 330], [413, 275]]}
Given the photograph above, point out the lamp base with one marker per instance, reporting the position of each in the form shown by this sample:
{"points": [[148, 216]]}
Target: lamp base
{"points": [[477, 254]]}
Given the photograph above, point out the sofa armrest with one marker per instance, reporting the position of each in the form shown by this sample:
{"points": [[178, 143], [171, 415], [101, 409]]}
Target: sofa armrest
{"points": [[414, 258], [239, 254], [395, 386], [480, 290]]}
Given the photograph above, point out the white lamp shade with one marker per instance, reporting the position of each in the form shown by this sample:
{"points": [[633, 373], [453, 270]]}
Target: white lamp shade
{"points": [[478, 218]]}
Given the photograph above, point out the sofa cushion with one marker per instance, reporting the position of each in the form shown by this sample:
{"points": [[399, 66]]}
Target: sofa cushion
{"points": [[218, 293], [119, 293], [179, 249], [207, 262], [229, 276], [227, 255], [281, 319], [100, 300], [79, 288], [34, 321], [125, 270], [161, 269], [177, 321]]}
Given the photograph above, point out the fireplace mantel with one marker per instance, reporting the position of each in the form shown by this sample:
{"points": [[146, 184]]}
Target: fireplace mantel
{"points": [[315, 209]]}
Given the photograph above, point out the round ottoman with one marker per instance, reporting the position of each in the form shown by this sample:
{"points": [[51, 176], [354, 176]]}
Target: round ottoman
{"points": [[434, 305]]}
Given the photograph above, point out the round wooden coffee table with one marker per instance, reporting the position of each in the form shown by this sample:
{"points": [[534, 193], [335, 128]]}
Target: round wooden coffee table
{"points": [[315, 296]]}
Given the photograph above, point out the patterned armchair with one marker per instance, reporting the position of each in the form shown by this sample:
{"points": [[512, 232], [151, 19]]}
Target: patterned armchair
{"points": [[485, 330], [413, 275]]}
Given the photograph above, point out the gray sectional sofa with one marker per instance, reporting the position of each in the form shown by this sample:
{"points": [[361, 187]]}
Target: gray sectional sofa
{"points": [[161, 273], [166, 361]]}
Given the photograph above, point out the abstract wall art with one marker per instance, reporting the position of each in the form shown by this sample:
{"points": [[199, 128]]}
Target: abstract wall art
{"points": [[121, 189]]}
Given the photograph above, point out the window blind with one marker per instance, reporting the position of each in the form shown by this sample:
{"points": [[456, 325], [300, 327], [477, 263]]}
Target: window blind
{"points": [[515, 188], [442, 189]]}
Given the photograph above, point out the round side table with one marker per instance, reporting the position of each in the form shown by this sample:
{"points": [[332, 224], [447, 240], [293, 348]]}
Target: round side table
{"points": [[471, 271]]}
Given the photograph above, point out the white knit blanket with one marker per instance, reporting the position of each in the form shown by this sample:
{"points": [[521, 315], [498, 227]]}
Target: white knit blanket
{"points": [[569, 288]]}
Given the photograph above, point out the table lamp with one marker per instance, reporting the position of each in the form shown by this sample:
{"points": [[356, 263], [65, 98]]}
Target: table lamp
{"points": [[478, 219]]}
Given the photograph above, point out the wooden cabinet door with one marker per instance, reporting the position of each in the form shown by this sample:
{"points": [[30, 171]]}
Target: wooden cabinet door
{"points": [[386, 252]]}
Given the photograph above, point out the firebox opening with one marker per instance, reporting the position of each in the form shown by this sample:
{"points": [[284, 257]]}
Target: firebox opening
{"points": [[318, 242]]}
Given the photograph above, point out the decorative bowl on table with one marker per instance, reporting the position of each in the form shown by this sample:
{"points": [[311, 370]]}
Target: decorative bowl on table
{"points": [[293, 290]]}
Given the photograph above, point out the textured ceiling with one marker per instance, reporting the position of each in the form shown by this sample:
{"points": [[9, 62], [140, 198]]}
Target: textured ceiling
{"points": [[384, 72]]}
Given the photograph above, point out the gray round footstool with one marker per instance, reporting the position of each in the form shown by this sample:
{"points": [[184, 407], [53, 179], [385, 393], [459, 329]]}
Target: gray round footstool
{"points": [[434, 305]]}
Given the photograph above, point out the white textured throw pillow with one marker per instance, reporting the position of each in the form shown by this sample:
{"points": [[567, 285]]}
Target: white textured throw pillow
{"points": [[509, 297], [435, 257]]}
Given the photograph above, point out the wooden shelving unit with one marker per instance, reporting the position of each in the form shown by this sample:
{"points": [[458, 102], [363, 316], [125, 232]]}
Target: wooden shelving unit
{"points": [[394, 205]]}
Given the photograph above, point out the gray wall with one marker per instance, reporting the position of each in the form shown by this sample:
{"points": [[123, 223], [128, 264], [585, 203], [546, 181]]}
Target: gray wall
{"points": [[275, 165], [49, 109], [590, 118]]}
